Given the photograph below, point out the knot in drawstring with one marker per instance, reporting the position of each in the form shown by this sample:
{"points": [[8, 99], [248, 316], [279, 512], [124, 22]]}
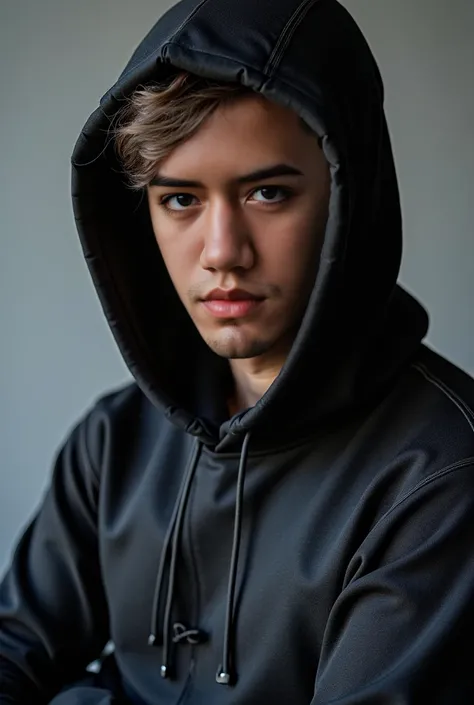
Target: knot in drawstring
{"points": [[190, 636]]}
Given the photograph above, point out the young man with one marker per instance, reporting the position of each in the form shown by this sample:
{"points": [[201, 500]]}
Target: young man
{"points": [[280, 509]]}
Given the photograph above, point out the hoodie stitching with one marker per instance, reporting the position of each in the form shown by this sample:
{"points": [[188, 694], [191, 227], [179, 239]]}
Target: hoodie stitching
{"points": [[233, 60], [272, 63], [452, 396], [450, 469], [283, 82], [188, 19], [287, 35], [202, 52]]}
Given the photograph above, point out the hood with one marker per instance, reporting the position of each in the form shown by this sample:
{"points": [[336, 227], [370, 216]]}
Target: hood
{"points": [[359, 328]]}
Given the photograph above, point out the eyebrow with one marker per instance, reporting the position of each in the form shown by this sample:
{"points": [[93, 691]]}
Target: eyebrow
{"points": [[259, 175]]}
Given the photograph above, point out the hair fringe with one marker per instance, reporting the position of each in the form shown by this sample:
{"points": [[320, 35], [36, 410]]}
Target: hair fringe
{"points": [[156, 118]]}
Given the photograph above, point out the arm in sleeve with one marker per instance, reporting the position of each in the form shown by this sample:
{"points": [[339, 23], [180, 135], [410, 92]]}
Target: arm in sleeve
{"points": [[53, 611], [401, 630]]}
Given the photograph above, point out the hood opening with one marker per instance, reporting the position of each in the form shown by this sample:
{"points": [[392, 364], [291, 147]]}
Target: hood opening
{"points": [[359, 328]]}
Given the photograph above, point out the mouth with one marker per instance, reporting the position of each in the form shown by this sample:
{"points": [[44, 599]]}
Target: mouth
{"points": [[231, 304]]}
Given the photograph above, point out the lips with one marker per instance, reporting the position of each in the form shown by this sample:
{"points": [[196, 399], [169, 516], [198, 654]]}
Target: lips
{"points": [[232, 295], [233, 303]]}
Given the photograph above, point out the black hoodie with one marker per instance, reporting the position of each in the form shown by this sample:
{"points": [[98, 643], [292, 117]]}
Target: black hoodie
{"points": [[316, 548]]}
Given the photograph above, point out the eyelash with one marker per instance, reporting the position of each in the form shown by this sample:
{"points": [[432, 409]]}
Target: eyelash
{"points": [[286, 192]]}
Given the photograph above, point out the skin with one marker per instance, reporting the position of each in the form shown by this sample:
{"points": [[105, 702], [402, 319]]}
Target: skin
{"points": [[263, 235]]}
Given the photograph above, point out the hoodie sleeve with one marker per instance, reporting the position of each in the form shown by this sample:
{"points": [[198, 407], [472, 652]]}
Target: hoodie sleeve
{"points": [[401, 631], [53, 612]]}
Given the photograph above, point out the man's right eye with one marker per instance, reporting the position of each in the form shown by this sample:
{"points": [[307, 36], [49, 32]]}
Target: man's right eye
{"points": [[177, 201]]}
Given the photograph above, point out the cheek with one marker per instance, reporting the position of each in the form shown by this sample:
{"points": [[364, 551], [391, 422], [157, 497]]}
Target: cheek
{"points": [[291, 253]]}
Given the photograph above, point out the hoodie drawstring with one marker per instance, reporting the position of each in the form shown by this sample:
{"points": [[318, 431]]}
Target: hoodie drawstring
{"points": [[225, 674], [172, 537]]}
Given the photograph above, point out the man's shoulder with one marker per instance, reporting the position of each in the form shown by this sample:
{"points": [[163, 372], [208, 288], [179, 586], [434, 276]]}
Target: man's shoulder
{"points": [[117, 420], [447, 389], [125, 400], [431, 410], [420, 436]]}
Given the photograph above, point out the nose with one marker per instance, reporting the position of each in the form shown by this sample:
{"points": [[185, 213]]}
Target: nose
{"points": [[227, 239]]}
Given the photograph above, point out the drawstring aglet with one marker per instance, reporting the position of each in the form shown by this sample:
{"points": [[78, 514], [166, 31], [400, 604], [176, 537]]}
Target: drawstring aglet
{"points": [[222, 677], [164, 671], [152, 640]]}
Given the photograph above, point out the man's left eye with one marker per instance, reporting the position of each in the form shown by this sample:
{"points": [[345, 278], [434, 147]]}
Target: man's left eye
{"points": [[270, 194]]}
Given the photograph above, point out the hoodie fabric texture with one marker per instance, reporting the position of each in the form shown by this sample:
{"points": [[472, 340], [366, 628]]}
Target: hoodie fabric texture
{"points": [[317, 548]]}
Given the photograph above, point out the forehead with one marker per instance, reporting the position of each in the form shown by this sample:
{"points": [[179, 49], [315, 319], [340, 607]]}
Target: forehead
{"points": [[240, 136]]}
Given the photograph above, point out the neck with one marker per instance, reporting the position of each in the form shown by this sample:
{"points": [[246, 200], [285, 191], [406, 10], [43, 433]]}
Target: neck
{"points": [[252, 378]]}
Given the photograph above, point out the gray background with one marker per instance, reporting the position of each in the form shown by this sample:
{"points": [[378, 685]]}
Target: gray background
{"points": [[57, 58]]}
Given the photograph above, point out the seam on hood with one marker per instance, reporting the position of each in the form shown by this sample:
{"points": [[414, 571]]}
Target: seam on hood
{"points": [[158, 51], [287, 35], [265, 76], [214, 55], [192, 14]]}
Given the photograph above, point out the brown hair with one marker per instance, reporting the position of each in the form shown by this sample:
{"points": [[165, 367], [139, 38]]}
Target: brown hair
{"points": [[157, 118]]}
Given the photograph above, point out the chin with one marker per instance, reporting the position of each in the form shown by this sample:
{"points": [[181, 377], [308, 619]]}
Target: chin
{"points": [[233, 346]]}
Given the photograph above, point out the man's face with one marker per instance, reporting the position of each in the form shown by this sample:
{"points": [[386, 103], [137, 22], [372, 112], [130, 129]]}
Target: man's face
{"points": [[242, 249]]}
